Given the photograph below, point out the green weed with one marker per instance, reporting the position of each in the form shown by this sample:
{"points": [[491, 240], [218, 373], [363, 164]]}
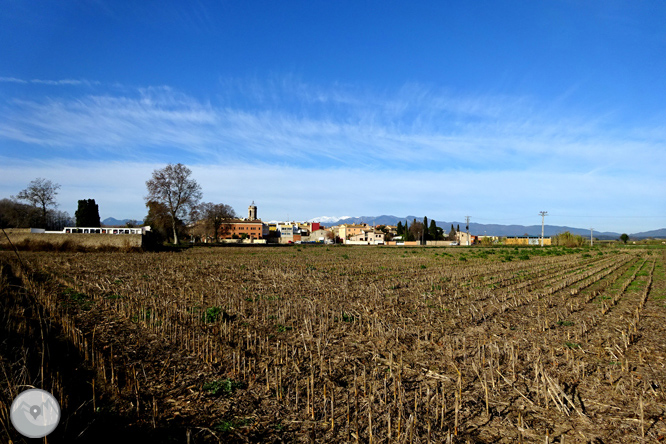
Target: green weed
{"points": [[223, 387]]}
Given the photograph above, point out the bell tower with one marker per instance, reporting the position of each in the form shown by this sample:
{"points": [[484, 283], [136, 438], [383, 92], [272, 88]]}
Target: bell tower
{"points": [[252, 212]]}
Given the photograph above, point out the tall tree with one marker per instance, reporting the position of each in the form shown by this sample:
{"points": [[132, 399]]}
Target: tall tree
{"points": [[452, 234], [407, 233], [432, 230], [415, 230], [624, 237], [87, 214], [399, 229], [41, 193], [214, 215], [172, 187], [426, 234], [159, 220]]}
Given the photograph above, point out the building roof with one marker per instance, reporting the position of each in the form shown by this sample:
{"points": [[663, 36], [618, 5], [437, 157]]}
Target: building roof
{"points": [[242, 221]]}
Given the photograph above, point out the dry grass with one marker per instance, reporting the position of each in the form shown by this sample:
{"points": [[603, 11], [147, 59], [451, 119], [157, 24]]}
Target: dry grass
{"points": [[370, 344], [72, 242]]}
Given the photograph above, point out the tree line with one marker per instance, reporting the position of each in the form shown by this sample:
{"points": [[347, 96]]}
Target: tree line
{"points": [[173, 200], [36, 207], [423, 231]]}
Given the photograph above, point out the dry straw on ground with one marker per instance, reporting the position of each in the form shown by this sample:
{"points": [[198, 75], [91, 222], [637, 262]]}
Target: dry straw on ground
{"points": [[324, 344]]}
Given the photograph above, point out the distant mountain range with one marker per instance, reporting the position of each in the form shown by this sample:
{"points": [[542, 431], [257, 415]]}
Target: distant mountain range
{"points": [[332, 219], [661, 233], [112, 222], [487, 229]]}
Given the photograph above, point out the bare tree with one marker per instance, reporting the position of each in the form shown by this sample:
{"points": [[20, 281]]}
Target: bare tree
{"points": [[172, 187], [57, 220], [214, 215], [40, 193]]}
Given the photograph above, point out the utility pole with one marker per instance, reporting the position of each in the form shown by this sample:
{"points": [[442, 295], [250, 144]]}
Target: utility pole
{"points": [[543, 214], [467, 227], [591, 238]]}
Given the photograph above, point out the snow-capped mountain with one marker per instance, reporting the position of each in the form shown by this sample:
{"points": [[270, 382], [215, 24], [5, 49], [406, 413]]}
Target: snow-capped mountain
{"points": [[328, 219]]}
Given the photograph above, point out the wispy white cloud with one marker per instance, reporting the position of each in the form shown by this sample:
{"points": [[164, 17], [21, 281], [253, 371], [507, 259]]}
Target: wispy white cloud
{"points": [[413, 128], [12, 80], [61, 82], [417, 150], [596, 199]]}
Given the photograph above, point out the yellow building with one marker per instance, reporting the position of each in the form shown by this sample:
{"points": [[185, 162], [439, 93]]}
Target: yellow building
{"points": [[346, 231], [527, 240]]}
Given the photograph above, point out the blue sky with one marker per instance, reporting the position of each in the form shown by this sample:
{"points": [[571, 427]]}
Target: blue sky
{"points": [[496, 110]]}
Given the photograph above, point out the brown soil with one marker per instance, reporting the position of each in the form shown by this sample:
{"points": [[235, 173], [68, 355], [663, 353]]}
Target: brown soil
{"points": [[318, 344]]}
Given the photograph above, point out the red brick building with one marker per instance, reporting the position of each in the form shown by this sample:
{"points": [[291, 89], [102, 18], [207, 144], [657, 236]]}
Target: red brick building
{"points": [[253, 229]]}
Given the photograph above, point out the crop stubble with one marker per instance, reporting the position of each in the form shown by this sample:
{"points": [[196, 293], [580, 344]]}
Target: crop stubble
{"points": [[371, 344]]}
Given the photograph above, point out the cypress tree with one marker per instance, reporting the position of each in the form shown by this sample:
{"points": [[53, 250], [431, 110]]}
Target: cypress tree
{"points": [[432, 231], [87, 214], [408, 234]]}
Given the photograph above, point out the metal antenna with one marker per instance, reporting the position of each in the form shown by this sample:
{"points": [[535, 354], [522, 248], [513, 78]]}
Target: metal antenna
{"points": [[543, 214]]}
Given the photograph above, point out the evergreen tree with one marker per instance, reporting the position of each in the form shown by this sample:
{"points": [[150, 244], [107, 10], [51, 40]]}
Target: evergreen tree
{"points": [[408, 236], [458, 229], [432, 231], [452, 234], [400, 230], [426, 234], [87, 215]]}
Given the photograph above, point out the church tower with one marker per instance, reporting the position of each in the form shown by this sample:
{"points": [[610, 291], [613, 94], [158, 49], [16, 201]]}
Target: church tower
{"points": [[252, 212]]}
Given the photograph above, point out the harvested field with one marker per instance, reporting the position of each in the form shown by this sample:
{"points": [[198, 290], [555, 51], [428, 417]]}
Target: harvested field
{"points": [[342, 344]]}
